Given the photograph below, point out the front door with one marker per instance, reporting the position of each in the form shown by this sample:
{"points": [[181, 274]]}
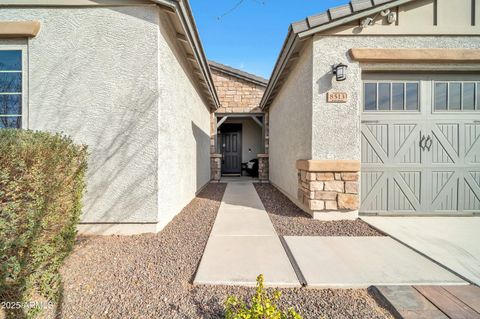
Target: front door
{"points": [[232, 152], [421, 144]]}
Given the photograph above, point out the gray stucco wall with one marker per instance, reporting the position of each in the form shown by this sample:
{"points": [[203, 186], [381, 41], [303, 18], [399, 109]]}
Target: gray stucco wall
{"points": [[184, 124], [290, 125], [336, 127], [94, 78]]}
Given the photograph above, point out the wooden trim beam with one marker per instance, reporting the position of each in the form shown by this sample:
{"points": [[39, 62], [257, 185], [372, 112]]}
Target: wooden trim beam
{"points": [[294, 56], [182, 37], [328, 165], [219, 123], [256, 120], [19, 29], [416, 55], [191, 57]]}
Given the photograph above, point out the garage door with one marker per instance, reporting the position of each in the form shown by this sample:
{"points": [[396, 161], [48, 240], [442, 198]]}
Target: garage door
{"points": [[421, 144]]}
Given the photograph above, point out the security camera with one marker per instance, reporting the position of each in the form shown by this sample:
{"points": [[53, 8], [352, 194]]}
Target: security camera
{"points": [[392, 17], [385, 13], [367, 22]]}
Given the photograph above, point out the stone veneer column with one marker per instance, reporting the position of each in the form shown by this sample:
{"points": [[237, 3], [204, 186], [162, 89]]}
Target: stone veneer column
{"points": [[216, 167], [329, 189], [263, 167]]}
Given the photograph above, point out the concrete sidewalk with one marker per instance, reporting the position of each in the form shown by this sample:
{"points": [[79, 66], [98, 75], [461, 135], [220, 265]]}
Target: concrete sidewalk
{"points": [[360, 262], [453, 242], [244, 244]]}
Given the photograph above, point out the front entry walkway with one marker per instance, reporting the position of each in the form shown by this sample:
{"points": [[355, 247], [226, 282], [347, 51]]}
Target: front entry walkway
{"points": [[244, 244], [451, 241]]}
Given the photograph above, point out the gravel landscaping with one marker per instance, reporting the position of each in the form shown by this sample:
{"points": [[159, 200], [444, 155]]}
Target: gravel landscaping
{"points": [[289, 220], [149, 276]]}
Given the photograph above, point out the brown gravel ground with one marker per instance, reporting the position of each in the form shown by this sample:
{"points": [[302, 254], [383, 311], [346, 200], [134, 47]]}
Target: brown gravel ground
{"points": [[289, 220], [149, 276]]}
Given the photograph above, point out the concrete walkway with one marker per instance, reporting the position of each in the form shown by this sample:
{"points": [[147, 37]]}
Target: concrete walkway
{"points": [[244, 244], [360, 262], [453, 242]]}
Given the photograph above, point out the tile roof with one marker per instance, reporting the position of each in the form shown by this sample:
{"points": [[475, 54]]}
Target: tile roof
{"points": [[335, 13]]}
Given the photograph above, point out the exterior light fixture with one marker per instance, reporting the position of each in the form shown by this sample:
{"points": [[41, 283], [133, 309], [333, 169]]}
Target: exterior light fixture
{"points": [[340, 71]]}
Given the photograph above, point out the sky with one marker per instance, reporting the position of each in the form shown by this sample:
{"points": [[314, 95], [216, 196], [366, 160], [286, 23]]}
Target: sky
{"points": [[249, 34]]}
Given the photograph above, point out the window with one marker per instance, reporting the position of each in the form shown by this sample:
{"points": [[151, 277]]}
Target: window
{"points": [[11, 88], [391, 96], [456, 96]]}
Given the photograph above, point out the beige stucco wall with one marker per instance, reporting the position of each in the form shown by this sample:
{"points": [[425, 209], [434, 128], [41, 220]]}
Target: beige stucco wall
{"points": [[93, 78], [290, 124], [252, 138], [336, 127], [184, 124], [113, 79]]}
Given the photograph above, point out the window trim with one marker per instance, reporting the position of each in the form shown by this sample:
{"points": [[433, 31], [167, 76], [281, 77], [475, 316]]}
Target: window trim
{"points": [[391, 82], [24, 49]]}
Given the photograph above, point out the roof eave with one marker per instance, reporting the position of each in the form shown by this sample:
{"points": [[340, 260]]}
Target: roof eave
{"points": [[283, 57], [302, 30], [185, 16], [238, 74]]}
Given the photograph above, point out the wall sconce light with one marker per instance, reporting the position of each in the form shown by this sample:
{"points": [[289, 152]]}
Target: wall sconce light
{"points": [[340, 71]]}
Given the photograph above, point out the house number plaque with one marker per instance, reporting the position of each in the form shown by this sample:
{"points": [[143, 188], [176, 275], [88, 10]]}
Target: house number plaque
{"points": [[337, 97]]}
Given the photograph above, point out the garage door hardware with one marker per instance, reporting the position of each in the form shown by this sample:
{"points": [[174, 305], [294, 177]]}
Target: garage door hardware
{"points": [[426, 143]]}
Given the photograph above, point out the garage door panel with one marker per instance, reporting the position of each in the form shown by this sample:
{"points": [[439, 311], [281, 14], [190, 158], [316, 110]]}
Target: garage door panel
{"points": [[413, 180], [406, 196], [369, 154], [471, 193], [472, 143], [375, 139], [423, 161], [444, 191], [406, 139], [375, 196], [445, 144]]}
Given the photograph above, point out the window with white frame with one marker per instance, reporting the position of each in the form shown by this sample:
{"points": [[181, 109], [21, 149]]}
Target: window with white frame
{"points": [[457, 96], [391, 96], [11, 88]]}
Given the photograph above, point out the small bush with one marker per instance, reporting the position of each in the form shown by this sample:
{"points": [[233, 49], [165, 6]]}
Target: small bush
{"points": [[264, 306], [41, 187]]}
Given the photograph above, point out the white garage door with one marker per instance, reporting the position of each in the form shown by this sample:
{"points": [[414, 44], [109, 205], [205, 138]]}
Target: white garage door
{"points": [[421, 144]]}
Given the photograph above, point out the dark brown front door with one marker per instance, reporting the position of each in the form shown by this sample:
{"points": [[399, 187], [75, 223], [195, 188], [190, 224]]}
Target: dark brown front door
{"points": [[232, 152]]}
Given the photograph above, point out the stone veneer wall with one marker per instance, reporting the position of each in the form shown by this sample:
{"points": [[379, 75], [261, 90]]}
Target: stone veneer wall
{"points": [[326, 187], [263, 167], [216, 166], [237, 95]]}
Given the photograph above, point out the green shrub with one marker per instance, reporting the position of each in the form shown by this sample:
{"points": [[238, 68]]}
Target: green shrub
{"points": [[41, 187], [264, 306]]}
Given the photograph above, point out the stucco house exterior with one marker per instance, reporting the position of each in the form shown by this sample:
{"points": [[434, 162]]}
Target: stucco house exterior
{"points": [[129, 78], [397, 129], [372, 107]]}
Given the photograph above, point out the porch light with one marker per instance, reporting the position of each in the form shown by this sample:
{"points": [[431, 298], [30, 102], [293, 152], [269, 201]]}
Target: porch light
{"points": [[340, 71]]}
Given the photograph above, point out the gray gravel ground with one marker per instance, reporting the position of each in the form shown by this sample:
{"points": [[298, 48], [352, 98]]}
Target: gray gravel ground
{"points": [[149, 276], [289, 220]]}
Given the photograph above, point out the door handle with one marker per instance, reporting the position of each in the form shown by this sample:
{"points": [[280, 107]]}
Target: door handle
{"points": [[422, 145], [429, 143]]}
